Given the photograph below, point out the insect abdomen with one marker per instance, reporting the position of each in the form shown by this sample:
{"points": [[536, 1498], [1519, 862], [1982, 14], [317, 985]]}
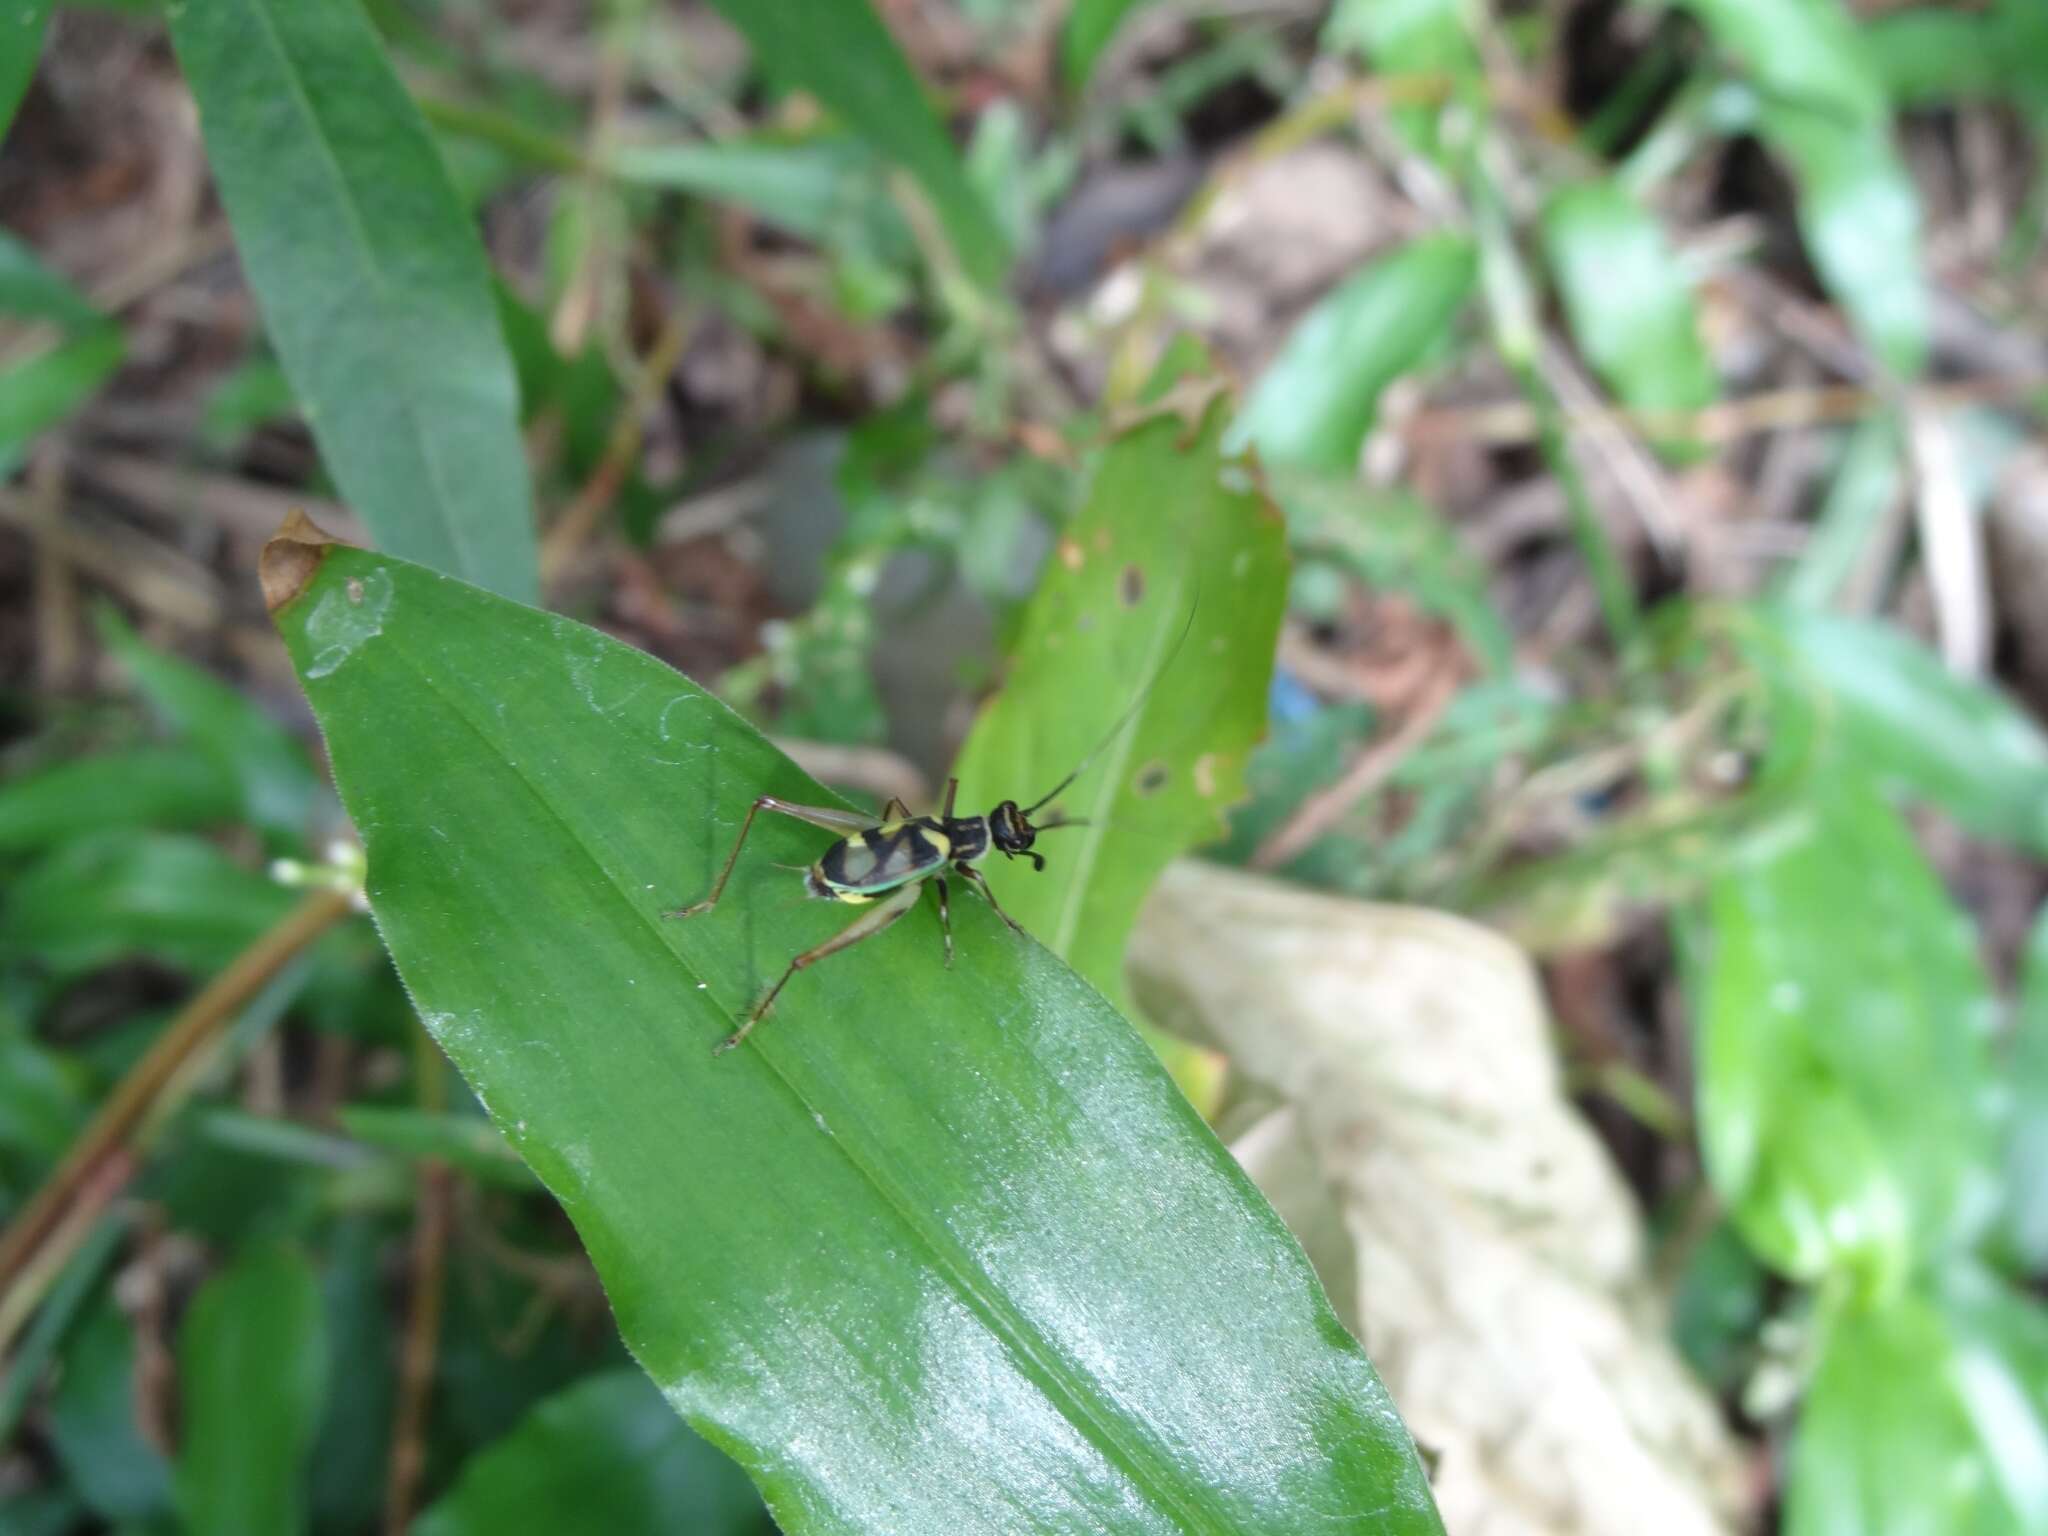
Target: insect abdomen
{"points": [[868, 863]]}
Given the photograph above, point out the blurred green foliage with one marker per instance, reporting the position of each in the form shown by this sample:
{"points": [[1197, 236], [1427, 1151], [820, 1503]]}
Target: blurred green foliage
{"points": [[1872, 1120]]}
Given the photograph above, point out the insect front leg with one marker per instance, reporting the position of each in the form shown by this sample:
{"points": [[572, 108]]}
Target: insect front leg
{"points": [[870, 923], [945, 918], [974, 878], [831, 819]]}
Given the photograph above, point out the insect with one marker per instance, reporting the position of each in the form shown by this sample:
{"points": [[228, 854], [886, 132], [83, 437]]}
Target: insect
{"points": [[885, 863]]}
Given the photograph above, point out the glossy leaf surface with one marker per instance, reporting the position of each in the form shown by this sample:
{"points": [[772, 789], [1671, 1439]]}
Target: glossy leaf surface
{"points": [[1314, 405], [1844, 1015], [1171, 540], [370, 276], [936, 1250], [252, 1363], [605, 1457]]}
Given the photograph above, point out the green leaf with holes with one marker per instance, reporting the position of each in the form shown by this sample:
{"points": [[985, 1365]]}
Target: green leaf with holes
{"points": [[936, 1250], [1173, 540]]}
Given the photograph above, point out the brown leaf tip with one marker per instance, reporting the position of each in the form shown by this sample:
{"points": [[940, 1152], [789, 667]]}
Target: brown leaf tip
{"points": [[290, 558]]}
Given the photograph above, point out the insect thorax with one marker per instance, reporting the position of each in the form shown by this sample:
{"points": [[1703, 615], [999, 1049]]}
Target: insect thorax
{"points": [[969, 837]]}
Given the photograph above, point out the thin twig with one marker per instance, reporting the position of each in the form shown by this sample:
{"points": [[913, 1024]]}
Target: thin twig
{"points": [[104, 1156], [431, 1216], [1322, 811], [580, 519]]}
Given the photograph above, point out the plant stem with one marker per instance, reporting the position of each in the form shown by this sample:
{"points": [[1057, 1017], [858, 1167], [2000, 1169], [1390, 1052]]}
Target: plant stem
{"points": [[98, 1165]]}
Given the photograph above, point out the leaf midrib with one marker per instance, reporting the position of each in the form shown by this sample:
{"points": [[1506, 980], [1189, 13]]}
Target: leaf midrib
{"points": [[408, 405], [1049, 1371]]}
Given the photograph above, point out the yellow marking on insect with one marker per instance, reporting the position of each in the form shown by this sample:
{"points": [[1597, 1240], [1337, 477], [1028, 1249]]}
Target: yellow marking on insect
{"points": [[860, 839], [938, 840], [853, 898]]}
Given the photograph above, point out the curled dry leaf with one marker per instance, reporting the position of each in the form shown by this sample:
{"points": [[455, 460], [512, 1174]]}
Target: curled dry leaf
{"points": [[1465, 1221]]}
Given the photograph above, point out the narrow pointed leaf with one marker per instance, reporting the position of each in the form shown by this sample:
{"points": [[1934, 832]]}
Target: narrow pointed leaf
{"points": [[21, 43], [1899, 716], [1172, 540], [936, 1250], [370, 276], [840, 51], [1319, 398], [252, 1365], [1845, 1094], [1630, 307]]}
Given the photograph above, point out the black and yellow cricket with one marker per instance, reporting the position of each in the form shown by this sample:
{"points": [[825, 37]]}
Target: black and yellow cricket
{"points": [[885, 862]]}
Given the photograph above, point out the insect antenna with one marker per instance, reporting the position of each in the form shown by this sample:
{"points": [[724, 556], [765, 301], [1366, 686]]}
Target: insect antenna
{"points": [[1130, 713]]}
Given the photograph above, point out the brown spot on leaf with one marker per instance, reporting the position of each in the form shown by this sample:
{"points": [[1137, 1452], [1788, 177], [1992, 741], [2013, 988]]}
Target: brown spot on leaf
{"points": [[1130, 586], [1071, 554], [291, 558], [1151, 779], [1205, 774]]}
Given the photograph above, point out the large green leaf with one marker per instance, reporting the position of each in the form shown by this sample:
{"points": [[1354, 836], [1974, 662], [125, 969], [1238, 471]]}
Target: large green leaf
{"points": [[1844, 1072], [1318, 399], [252, 1366], [1171, 541], [605, 1457], [1927, 1415], [371, 279], [937, 1250], [1630, 306], [840, 51]]}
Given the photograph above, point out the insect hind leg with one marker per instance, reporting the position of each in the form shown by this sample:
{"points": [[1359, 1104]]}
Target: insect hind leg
{"points": [[866, 926], [828, 817], [974, 878]]}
